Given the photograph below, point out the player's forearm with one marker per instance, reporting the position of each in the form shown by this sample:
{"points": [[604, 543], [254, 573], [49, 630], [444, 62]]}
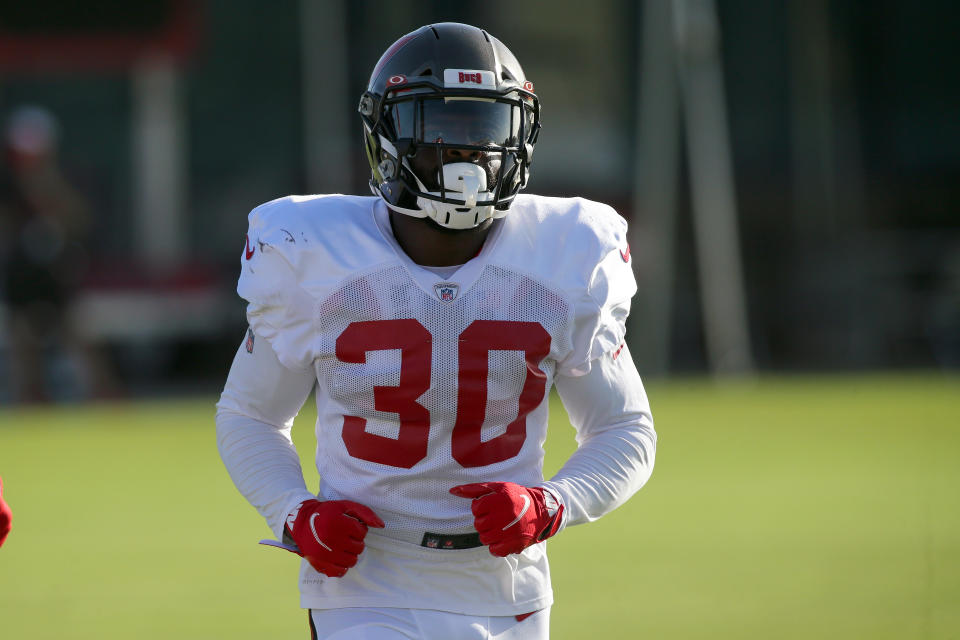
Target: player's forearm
{"points": [[256, 410], [617, 442], [605, 471], [263, 464]]}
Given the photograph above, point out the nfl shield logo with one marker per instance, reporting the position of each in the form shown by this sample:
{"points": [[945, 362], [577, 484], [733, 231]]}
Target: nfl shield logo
{"points": [[447, 291]]}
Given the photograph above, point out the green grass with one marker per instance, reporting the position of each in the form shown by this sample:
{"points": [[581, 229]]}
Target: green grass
{"points": [[787, 508]]}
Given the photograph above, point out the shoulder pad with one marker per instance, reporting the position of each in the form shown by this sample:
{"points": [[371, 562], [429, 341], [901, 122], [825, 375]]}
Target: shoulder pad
{"points": [[323, 239], [297, 250], [562, 240]]}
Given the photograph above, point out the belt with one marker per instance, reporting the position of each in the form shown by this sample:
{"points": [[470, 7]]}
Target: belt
{"points": [[448, 541]]}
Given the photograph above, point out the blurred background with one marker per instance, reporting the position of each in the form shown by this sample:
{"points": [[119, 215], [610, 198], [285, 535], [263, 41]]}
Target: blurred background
{"points": [[790, 170]]}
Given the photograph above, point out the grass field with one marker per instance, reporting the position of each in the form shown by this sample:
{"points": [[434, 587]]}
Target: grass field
{"points": [[823, 507]]}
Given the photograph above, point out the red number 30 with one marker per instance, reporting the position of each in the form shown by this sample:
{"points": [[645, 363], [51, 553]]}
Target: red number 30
{"points": [[415, 345]]}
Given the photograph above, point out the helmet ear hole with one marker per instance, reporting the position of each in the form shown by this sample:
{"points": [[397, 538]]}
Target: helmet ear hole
{"points": [[388, 168], [366, 104]]}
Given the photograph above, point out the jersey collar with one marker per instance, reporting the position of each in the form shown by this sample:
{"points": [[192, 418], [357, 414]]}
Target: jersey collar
{"points": [[465, 277]]}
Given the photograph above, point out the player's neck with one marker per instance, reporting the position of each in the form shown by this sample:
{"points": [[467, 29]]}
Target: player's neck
{"points": [[429, 244]]}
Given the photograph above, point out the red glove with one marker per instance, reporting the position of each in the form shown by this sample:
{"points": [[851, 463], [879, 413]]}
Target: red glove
{"points": [[330, 534], [6, 516], [510, 517]]}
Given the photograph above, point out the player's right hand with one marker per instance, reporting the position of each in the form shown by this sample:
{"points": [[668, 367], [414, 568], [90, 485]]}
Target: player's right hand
{"points": [[6, 516], [330, 533]]}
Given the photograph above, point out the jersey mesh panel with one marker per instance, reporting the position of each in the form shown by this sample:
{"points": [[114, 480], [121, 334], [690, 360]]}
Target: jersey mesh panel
{"points": [[413, 501]]}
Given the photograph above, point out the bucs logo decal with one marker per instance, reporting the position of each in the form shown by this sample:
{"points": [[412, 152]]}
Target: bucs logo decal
{"points": [[446, 291], [470, 78], [475, 78]]}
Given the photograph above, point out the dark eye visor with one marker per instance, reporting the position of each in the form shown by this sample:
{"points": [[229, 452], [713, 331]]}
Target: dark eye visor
{"points": [[460, 121]]}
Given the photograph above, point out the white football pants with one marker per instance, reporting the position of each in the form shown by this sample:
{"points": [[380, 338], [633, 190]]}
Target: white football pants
{"points": [[423, 624]]}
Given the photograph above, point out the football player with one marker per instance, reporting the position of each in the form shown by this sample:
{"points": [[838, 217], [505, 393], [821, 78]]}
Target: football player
{"points": [[433, 318]]}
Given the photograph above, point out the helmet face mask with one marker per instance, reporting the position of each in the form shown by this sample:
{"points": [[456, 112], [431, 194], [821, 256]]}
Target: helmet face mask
{"points": [[451, 144]]}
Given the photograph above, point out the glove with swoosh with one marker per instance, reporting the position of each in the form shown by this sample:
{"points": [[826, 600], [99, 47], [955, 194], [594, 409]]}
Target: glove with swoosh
{"points": [[6, 516], [510, 517], [329, 534]]}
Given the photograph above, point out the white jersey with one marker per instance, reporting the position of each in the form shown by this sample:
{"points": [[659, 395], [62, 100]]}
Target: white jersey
{"points": [[427, 383]]}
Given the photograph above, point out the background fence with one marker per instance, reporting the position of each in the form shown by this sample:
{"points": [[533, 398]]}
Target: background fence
{"points": [[810, 145]]}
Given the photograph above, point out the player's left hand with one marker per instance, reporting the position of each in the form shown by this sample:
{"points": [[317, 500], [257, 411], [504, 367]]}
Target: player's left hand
{"points": [[6, 516], [510, 517]]}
